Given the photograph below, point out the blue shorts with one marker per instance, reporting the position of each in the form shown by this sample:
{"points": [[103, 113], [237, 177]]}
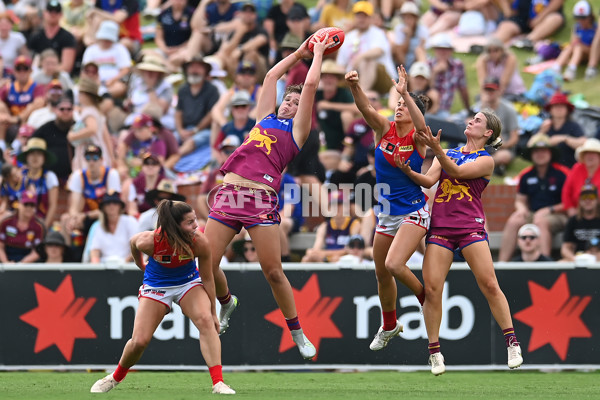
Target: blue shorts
{"points": [[455, 238]]}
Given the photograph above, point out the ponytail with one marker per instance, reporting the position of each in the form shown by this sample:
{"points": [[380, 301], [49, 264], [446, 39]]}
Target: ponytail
{"points": [[170, 214]]}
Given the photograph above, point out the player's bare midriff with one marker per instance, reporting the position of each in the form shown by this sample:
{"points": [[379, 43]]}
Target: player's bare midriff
{"points": [[235, 179]]}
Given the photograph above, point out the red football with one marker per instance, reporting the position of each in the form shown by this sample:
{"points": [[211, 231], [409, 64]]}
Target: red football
{"points": [[336, 38]]}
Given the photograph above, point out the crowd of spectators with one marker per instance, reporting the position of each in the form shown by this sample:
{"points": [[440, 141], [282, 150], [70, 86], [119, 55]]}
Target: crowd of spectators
{"points": [[107, 106]]}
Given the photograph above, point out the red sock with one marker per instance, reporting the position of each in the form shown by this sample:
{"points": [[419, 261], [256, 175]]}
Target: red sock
{"points": [[120, 373], [216, 373], [389, 320], [421, 297]]}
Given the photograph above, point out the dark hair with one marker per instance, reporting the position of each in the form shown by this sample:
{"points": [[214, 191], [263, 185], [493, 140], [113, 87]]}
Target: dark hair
{"points": [[493, 123], [422, 101], [293, 89], [170, 214], [6, 171]]}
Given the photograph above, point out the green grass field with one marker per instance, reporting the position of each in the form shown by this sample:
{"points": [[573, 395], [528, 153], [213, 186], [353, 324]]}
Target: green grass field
{"points": [[310, 385]]}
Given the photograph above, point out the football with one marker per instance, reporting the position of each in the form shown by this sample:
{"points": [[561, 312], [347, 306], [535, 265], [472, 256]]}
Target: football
{"points": [[336, 38]]}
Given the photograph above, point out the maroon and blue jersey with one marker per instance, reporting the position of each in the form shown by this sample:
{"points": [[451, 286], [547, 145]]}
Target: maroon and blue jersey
{"points": [[337, 237], [585, 35], [267, 150], [404, 196], [457, 202], [93, 192], [166, 267]]}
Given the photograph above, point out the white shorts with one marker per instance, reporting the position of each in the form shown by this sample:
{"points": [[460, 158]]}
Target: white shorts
{"points": [[168, 295], [389, 224]]}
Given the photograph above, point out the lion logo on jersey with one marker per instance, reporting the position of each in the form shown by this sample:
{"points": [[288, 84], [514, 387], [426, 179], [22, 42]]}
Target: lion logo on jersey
{"points": [[263, 139], [449, 189]]}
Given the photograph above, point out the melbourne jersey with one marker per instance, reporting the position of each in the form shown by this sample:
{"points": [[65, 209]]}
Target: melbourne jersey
{"points": [[457, 202], [268, 148], [404, 196], [167, 267]]}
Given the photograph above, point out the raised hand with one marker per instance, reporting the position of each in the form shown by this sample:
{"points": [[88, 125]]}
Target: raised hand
{"points": [[352, 78], [402, 84], [428, 138], [403, 164], [319, 45]]}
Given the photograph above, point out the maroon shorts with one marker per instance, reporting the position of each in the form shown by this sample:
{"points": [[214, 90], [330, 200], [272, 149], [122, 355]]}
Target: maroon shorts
{"points": [[455, 238], [238, 206]]}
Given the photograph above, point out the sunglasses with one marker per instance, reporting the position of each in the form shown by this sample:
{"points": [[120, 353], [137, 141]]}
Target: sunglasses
{"points": [[30, 205], [228, 152], [246, 249], [65, 109], [21, 68], [240, 106], [530, 237], [92, 157], [151, 162], [588, 197], [494, 49]]}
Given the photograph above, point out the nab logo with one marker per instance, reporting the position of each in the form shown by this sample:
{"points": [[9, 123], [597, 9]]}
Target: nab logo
{"points": [[315, 313], [554, 316], [59, 318]]}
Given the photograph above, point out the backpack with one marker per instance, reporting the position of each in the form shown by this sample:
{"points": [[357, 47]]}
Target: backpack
{"points": [[545, 84]]}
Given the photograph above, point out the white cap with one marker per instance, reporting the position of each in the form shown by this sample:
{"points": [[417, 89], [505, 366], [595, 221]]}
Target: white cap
{"points": [[230, 140], [441, 41], [109, 30], [531, 228], [582, 9], [420, 69], [410, 8]]}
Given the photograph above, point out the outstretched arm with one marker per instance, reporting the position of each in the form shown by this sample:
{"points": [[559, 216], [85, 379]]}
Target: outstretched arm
{"points": [[303, 118], [376, 121], [401, 86], [425, 180], [268, 97]]}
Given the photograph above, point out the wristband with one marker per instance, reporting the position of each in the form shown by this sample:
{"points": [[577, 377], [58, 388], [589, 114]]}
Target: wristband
{"points": [[298, 56]]}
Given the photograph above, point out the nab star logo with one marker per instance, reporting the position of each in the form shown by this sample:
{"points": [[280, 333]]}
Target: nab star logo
{"points": [[315, 316], [554, 316], [59, 318]]}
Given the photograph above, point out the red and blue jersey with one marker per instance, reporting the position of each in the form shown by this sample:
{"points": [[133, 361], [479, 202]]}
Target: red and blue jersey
{"points": [[403, 195], [457, 202], [267, 150], [166, 267]]}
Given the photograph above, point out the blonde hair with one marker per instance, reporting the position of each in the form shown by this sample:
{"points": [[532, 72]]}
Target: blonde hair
{"points": [[493, 123]]}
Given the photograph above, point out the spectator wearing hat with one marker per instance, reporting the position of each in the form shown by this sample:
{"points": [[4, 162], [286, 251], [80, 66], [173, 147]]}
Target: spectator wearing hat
{"points": [[54, 249], [333, 234], [38, 179], [125, 13], [355, 252], [529, 245], [537, 21], [110, 240], [582, 226], [50, 70], [367, 50], [499, 62], [585, 171], [408, 38], [217, 74], [149, 86], [53, 36], [23, 134], [173, 32], [90, 126], [577, 51], [248, 41], [447, 75], [86, 188], [10, 189], [419, 82], [245, 80], [277, 22], [113, 58], [19, 99], [12, 43], [337, 13], [147, 179], [562, 130], [74, 19], [240, 123], [297, 74], [165, 190], [39, 117], [55, 132], [21, 232], [491, 98], [538, 198], [334, 105], [145, 140]]}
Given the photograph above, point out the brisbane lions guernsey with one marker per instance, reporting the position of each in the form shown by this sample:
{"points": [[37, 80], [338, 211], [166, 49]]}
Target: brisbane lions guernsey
{"points": [[404, 196], [168, 268], [457, 202], [266, 151]]}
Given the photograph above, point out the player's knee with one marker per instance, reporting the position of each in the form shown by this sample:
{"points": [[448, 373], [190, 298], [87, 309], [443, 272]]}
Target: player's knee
{"points": [[140, 342], [490, 288], [274, 275], [204, 321]]}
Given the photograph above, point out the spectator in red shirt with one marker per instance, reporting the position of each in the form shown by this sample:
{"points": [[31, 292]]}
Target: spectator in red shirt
{"points": [[126, 13], [21, 232], [585, 171]]}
